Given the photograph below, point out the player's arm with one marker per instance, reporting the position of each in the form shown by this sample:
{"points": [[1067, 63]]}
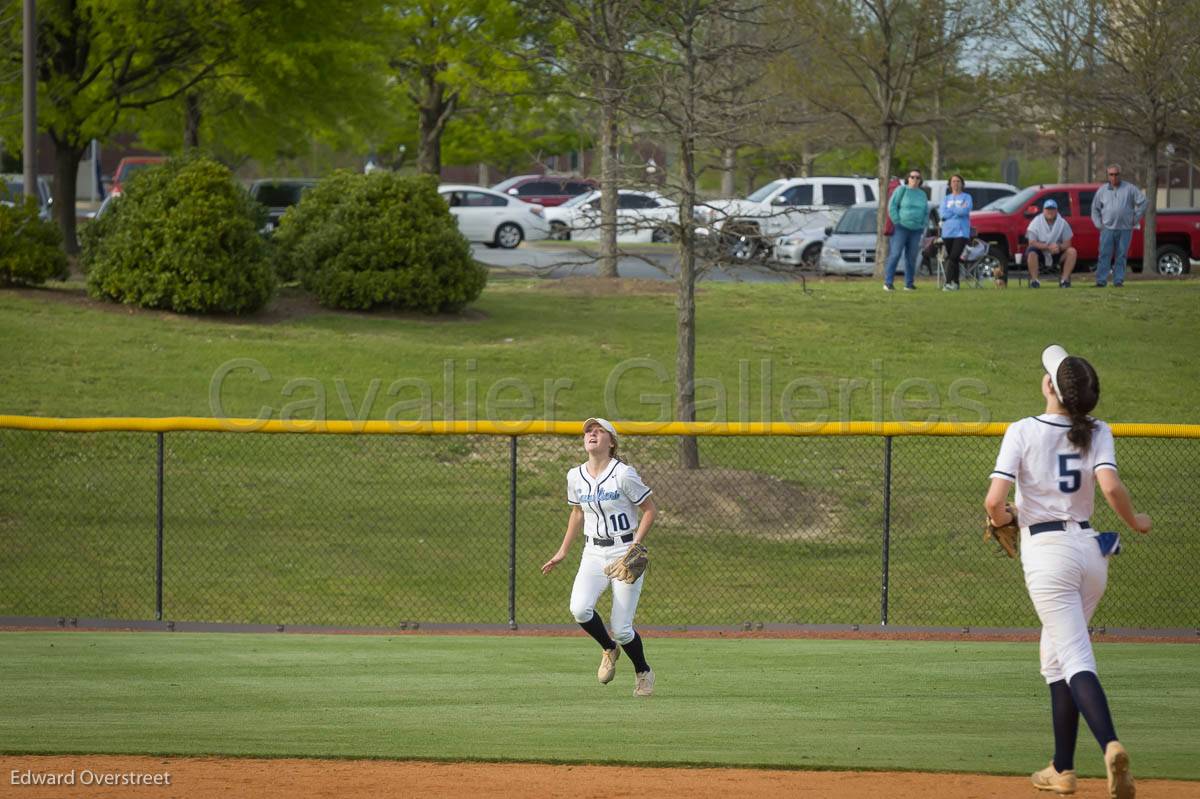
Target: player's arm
{"points": [[997, 498], [574, 525], [649, 513], [1117, 497]]}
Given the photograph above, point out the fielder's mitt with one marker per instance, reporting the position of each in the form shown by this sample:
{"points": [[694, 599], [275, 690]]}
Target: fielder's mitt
{"points": [[1008, 536], [630, 566]]}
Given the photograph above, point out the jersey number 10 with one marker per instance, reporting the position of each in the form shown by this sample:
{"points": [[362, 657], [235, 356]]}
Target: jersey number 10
{"points": [[1069, 479], [619, 521]]}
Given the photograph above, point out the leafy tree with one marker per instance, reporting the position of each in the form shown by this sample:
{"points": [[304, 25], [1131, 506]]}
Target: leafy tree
{"points": [[701, 56], [99, 61], [442, 53], [298, 74], [1052, 72], [1148, 83], [880, 66]]}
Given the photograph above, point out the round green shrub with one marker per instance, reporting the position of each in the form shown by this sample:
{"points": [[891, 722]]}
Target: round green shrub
{"points": [[30, 248], [378, 240], [183, 237]]}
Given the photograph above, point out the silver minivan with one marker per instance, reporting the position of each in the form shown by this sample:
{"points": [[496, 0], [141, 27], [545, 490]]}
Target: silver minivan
{"points": [[850, 245]]}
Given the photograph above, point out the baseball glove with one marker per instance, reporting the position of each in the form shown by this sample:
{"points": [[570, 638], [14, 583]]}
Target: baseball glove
{"points": [[629, 567], [1008, 536]]}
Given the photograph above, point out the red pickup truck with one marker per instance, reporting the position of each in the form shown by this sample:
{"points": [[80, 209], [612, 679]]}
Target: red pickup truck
{"points": [[1004, 223]]}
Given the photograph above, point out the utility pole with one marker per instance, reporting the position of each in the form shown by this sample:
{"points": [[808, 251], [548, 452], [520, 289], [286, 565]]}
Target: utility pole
{"points": [[30, 101]]}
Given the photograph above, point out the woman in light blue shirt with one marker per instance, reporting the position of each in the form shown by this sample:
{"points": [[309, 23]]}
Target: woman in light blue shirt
{"points": [[956, 227]]}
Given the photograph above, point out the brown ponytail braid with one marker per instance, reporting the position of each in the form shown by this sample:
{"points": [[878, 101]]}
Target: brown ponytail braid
{"points": [[1080, 387]]}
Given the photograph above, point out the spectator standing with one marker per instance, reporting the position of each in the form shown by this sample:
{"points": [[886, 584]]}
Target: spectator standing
{"points": [[956, 227], [1116, 210], [908, 210], [1049, 238]]}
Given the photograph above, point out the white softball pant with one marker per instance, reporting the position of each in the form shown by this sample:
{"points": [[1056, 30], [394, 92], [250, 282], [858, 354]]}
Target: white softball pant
{"points": [[590, 582], [1066, 576]]}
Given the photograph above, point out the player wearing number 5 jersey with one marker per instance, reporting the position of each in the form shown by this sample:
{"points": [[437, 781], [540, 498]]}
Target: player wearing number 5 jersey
{"points": [[605, 496], [1056, 460]]}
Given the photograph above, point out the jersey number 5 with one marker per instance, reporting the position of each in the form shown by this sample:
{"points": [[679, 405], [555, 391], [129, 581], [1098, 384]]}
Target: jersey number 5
{"points": [[1069, 479]]}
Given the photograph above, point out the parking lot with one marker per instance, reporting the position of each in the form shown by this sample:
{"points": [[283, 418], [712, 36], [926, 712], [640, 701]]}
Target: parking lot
{"points": [[649, 262]]}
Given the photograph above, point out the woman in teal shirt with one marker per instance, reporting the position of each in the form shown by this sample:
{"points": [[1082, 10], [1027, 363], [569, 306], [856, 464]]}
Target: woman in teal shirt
{"points": [[907, 210]]}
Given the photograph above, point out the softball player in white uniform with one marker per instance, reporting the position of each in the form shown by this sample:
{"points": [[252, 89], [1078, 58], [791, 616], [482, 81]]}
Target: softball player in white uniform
{"points": [[1056, 460], [605, 495]]}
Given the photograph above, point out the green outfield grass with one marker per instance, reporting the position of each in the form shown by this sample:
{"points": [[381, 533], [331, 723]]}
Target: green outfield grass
{"points": [[926, 706], [374, 531], [80, 359]]}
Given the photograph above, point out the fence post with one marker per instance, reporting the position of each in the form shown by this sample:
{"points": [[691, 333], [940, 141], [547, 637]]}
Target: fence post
{"points": [[158, 569], [512, 533], [887, 525]]}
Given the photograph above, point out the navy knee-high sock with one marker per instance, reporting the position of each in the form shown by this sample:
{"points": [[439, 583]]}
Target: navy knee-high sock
{"points": [[1089, 698], [595, 628], [1066, 725], [636, 656]]}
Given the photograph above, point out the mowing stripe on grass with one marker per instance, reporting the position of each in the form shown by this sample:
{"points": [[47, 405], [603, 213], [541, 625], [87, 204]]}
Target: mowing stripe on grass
{"points": [[969, 707]]}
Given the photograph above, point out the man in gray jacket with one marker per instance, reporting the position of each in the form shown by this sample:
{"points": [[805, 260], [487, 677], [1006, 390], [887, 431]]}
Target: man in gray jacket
{"points": [[1116, 210]]}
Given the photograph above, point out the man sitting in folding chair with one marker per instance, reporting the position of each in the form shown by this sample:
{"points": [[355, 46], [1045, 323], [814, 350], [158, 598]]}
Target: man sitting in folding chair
{"points": [[1049, 238]]}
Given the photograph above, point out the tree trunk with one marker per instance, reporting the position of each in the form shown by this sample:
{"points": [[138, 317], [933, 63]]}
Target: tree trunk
{"points": [[191, 121], [728, 170], [685, 300], [66, 173], [1150, 222], [429, 147], [482, 175], [935, 146], [883, 171], [609, 183], [432, 114], [1064, 158], [685, 309]]}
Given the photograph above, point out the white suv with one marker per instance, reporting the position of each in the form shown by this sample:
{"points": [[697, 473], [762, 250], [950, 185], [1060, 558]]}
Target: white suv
{"points": [[782, 206]]}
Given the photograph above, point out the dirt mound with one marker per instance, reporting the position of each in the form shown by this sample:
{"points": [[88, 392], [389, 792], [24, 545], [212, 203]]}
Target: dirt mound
{"points": [[739, 501]]}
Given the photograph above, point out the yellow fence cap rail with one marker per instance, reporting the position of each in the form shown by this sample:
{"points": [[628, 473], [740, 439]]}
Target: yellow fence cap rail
{"points": [[544, 427]]}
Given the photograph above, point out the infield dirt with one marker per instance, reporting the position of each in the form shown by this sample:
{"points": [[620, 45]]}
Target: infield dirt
{"points": [[201, 778]]}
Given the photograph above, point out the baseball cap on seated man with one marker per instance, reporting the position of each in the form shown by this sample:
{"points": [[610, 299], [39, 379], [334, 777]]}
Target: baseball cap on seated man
{"points": [[1050, 204], [1052, 358], [607, 425]]}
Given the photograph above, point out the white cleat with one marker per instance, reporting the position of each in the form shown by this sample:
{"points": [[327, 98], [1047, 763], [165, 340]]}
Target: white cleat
{"points": [[608, 665], [1120, 781], [644, 685]]}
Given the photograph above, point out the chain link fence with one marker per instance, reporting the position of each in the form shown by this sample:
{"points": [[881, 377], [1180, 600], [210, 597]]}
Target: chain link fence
{"points": [[383, 530]]}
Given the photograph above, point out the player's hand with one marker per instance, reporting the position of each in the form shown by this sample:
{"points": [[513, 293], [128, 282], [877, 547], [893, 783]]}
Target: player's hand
{"points": [[549, 565], [1141, 522]]}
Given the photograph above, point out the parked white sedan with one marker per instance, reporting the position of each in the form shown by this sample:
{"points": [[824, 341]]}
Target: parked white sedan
{"points": [[800, 248], [492, 218], [641, 216]]}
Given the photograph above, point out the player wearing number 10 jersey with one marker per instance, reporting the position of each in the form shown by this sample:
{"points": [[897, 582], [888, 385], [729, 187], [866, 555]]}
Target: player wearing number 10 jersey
{"points": [[606, 495]]}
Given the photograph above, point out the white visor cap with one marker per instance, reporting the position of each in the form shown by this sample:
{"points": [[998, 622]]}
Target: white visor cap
{"points": [[607, 425], [1052, 358]]}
